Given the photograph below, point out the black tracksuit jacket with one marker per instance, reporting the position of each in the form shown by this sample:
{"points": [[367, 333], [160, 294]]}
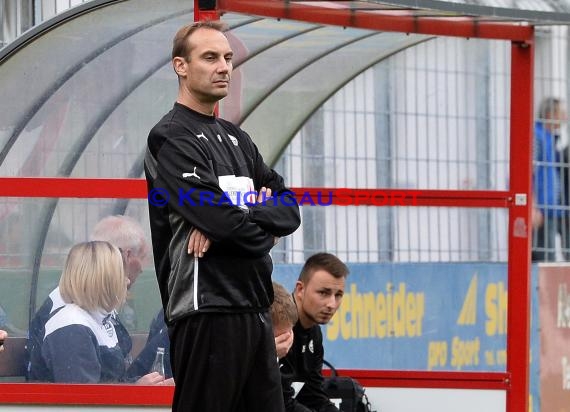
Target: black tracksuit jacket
{"points": [[304, 364], [195, 164]]}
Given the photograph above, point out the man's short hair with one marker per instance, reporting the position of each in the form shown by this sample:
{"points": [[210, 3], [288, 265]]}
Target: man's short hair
{"points": [[181, 44], [283, 309], [123, 232], [326, 262], [94, 277]]}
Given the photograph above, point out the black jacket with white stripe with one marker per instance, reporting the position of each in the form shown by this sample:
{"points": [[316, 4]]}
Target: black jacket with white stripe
{"points": [[303, 367], [200, 171]]}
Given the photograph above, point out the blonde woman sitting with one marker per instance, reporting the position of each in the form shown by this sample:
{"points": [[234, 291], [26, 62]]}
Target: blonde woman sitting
{"points": [[80, 343]]}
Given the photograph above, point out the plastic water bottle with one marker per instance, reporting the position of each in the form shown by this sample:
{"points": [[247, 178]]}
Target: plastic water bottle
{"points": [[158, 364]]}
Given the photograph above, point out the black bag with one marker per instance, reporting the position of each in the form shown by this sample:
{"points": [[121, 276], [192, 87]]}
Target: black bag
{"points": [[348, 390]]}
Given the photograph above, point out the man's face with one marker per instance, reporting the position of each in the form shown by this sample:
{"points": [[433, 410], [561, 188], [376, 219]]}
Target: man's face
{"points": [[133, 265], [558, 118], [206, 74], [319, 298]]}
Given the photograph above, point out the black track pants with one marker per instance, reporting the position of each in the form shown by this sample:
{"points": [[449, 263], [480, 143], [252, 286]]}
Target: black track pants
{"points": [[225, 363]]}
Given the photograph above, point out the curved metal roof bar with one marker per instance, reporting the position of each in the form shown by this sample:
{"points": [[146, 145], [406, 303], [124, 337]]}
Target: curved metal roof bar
{"points": [[296, 71], [339, 86], [41, 100], [275, 43], [50, 24]]}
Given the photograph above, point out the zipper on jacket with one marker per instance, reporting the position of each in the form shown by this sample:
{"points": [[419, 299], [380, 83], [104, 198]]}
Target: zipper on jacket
{"points": [[195, 283]]}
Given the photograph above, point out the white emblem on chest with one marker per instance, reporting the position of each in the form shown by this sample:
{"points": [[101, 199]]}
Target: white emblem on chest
{"points": [[233, 139], [193, 174]]}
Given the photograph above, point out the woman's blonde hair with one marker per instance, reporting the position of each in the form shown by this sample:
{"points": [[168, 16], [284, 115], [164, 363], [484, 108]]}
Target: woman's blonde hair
{"points": [[94, 277]]}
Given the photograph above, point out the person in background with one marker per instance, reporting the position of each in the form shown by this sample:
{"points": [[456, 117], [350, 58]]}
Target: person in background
{"points": [[548, 202], [216, 304], [126, 234], [157, 338], [3, 337], [318, 294], [284, 317], [80, 343], [563, 160]]}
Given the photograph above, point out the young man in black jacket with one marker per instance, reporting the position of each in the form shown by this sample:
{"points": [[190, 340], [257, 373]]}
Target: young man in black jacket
{"points": [[318, 294], [210, 191]]}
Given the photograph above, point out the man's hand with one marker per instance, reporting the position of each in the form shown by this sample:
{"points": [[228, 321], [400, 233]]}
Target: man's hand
{"points": [[198, 244], [151, 379], [263, 195], [260, 199], [283, 343]]}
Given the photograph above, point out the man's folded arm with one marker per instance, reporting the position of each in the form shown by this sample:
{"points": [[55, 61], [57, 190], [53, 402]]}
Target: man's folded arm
{"points": [[199, 199]]}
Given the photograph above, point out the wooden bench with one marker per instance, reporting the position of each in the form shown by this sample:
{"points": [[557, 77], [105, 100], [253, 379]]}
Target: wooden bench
{"points": [[12, 359]]}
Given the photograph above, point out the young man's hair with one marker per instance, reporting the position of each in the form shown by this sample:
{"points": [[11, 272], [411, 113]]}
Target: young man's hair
{"points": [[123, 232], [93, 277], [547, 107], [326, 262], [181, 43], [283, 309]]}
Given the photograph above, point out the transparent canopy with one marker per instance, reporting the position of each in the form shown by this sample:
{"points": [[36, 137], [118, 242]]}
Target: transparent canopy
{"points": [[81, 91]]}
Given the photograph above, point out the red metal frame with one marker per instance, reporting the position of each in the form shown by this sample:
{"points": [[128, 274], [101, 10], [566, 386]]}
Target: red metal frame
{"points": [[515, 380], [518, 314], [59, 394], [433, 380], [74, 394], [405, 21], [136, 189]]}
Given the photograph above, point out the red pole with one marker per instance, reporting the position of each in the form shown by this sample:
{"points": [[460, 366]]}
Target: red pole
{"points": [[520, 230]]}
